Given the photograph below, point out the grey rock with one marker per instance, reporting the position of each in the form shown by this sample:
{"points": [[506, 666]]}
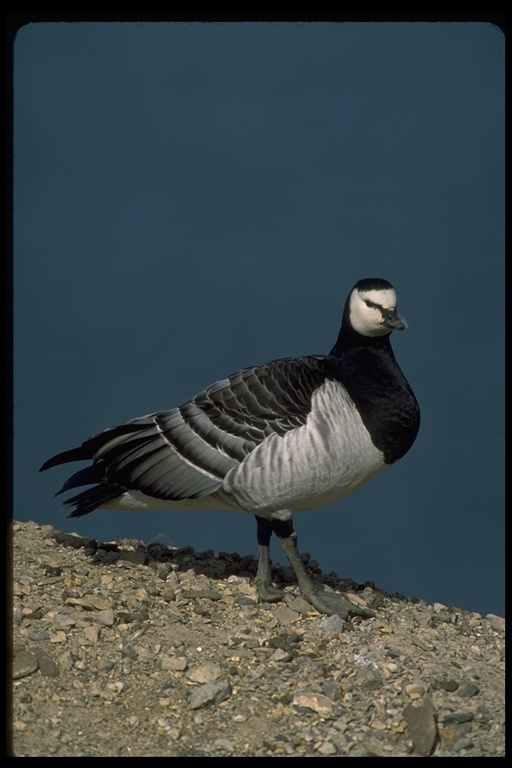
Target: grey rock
{"points": [[47, 665], [105, 618], [132, 557], [468, 689], [331, 625], [225, 745], [332, 690], [205, 673], [209, 693], [457, 717], [421, 723], [24, 663]]}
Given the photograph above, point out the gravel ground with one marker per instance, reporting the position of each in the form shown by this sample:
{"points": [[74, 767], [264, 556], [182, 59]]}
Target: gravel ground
{"points": [[122, 649]]}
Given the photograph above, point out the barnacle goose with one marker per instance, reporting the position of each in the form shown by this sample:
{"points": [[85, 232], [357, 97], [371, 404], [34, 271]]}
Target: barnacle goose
{"points": [[292, 434]]}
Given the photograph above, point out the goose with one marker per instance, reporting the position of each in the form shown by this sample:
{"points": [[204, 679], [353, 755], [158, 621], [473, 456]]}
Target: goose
{"points": [[292, 434]]}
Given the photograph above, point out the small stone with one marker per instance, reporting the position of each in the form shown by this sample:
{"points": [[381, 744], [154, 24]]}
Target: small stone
{"points": [[497, 623], [315, 701], [95, 688], [89, 603], [468, 689], [92, 633], [369, 679], [415, 690], [70, 539], [332, 690], [458, 717], [204, 673], [133, 720], [116, 687], [281, 655], [47, 665], [464, 743], [453, 732], [224, 744], [299, 605], [132, 558], [286, 615], [207, 593], [422, 725], [105, 618], [62, 620], [209, 693], [327, 748], [331, 625], [246, 602], [24, 663], [174, 663], [423, 644], [445, 685], [126, 617]]}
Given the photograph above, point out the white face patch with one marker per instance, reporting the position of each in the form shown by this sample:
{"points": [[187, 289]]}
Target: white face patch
{"points": [[365, 315]]}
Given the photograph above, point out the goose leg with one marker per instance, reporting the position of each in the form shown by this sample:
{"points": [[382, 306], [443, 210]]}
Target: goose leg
{"points": [[263, 580], [324, 601]]}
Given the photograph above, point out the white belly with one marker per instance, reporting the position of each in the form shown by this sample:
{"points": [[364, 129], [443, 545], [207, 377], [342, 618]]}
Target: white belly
{"points": [[325, 460]]}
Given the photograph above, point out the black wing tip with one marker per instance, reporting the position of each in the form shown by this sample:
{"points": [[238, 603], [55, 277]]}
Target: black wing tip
{"points": [[75, 454], [77, 513], [87, 450], [89, 500], [48, 464]]}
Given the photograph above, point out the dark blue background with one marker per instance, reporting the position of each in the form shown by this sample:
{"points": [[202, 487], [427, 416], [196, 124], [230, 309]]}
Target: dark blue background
{"points": [[194, 198]]}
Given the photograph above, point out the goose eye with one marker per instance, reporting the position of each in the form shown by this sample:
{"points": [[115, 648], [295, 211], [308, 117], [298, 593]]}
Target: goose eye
{"points": [[370, 303]]}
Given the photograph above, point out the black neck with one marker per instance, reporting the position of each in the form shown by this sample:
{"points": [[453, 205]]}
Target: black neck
{"points": [[350, 339]]}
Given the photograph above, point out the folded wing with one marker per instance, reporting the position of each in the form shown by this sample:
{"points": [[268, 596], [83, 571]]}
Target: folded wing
{"points": [[185, 452]]}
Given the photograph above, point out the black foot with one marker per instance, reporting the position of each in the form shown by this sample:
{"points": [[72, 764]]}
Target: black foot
{"points": [[330, 603], [263, 581], [266, 591], [334, 604]]}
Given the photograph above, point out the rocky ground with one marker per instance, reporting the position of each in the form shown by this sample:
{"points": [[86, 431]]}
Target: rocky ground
{"points": [[123, 649]]}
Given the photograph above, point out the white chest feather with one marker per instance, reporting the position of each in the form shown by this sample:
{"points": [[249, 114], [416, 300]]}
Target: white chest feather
{"points": [[321, 462]]}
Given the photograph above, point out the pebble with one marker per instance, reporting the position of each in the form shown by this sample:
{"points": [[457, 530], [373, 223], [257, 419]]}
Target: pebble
{"points": [[209, 693], [420, 719], [47, 665], [331, 625], [204, 673], [415, 690], [224, 745], [24, 663], [123, 650], [92, 633], [175, 663], [314, 701], [106, 618], [327, 748]]}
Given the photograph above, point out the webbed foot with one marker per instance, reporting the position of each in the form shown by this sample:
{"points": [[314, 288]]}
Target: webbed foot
{"points": [[266, 590], [332, 603]]}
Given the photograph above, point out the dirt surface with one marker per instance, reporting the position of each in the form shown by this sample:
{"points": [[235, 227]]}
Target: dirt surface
{"points": [[123, 649]]}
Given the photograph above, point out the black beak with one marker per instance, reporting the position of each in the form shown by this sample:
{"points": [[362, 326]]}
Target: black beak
{"points": [[392, 320]]}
